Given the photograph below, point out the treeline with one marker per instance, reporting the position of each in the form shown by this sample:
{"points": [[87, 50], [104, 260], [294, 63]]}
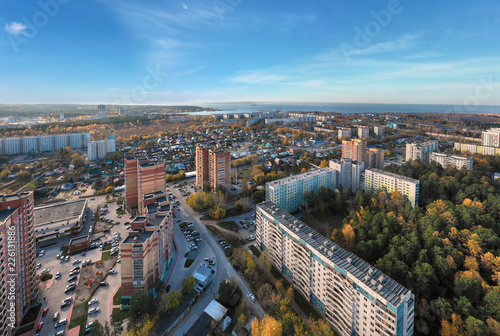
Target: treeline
{"points": [[447, 253]]}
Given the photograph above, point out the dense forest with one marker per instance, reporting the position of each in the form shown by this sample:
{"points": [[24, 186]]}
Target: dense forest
{"points": [[447, 251]]}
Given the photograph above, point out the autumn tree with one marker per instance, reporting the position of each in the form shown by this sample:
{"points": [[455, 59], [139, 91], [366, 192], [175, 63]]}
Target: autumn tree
{"points": [[269, 326], [188, 284]]}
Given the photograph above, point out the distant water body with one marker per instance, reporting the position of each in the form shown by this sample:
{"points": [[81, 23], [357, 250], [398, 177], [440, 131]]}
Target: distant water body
{"points": [[348, 108]]}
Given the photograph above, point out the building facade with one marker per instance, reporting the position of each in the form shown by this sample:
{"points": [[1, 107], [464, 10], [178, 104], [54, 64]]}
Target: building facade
{"points": [[289, 192], [349, 173], [375, 158], [420, 151], [142, 176], [344, 133], [18, 279], [43, 143], [363, 132], [379, 130], [491, 137], [446, 160], [354, 150], [476, 149], [353, 296], [99, 149], [213, 168], [146, 253], [378, 179]]}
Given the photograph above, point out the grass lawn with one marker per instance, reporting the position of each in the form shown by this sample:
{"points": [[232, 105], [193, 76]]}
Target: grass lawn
{"points": [[107, 247], [25, 329], [119, 200], [106, 255], [120, 212], [255, 250], [119, 315], [31, 315], [230, 225], [188, 263], [117, 299], [81, 320]]}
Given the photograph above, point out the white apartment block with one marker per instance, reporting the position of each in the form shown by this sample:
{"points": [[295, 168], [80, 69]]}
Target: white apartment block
{"points": [[379, 130], [420, 151], [456, 161], [110, 143], [349, 173], [45, 143], [477, 149], [353, 296], [344, 133], [378, 179], [491, 137], [363, 132], [289, 192]]}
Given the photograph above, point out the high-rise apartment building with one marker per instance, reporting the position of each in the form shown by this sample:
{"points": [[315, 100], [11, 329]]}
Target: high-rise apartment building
{"points": [[456, 161], [202, 165], [349, 173], [61, 116], [219, 172], [353, 296], [363, 132], [18, 281], [101, 109], [378, 179], [146, 253], [354, 150], [420, 151], [379, 130], [344, 133], [213, 168], [142, 176], [375, 158], [97, 150], [491, 137], [43, 143], [289, 192]]}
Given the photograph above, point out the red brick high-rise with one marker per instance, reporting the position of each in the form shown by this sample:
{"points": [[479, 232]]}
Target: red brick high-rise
{"points": [[18, 283], [142, 176], [213, 168]]}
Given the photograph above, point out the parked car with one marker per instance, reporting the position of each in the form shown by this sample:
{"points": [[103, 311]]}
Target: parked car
{"points": [[104, 284], [251, 297], [58, 274], [55, 317], [46, 271], [45, 311], [94, 310], [61, 323]]}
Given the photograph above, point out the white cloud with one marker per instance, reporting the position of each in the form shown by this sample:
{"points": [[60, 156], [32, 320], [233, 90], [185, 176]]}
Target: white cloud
{"points": [[15, 28], [404, 42], [259, 77], [184, 5]]}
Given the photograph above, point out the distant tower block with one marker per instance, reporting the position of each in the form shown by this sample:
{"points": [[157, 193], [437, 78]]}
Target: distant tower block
{"points": [[61, 116]]}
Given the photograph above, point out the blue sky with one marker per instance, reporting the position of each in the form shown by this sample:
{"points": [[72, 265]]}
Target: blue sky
{"points": [[171, 52]]}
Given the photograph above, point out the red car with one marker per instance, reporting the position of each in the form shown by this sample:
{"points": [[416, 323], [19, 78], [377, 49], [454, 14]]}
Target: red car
{"points": [[45, 311], [40, 325]]}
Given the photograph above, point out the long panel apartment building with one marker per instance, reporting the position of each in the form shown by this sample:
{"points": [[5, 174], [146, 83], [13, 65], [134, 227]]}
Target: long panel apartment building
{"points": [[18, 279], [353, 296], [289, 192], [446, 160], [43, 143], [420, 151], [491, 137], [378, 179]]}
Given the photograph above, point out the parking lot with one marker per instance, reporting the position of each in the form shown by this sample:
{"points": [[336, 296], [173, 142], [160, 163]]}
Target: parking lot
{"points": [[53, 290]]}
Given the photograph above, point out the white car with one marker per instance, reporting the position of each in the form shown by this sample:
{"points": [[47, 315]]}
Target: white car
{"points": [[46, 271], [112, 271], [76, 262], [42, 252], [38, 266], [94, 310], [58, 274], [91, 302], [251, 297]]}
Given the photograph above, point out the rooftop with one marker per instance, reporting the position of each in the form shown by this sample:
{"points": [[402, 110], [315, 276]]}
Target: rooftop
{"points": [[58, 212], [380, 283], [216, 310], [299, 177], [142, 237]]}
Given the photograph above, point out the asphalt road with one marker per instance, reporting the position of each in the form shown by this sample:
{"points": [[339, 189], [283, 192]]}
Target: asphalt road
{"points": [[209, 248]]}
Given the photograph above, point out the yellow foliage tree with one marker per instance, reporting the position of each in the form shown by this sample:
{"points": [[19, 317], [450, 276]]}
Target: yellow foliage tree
{"points": [[454, 328], [324, 164], [349, 234], [267, 327]]}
